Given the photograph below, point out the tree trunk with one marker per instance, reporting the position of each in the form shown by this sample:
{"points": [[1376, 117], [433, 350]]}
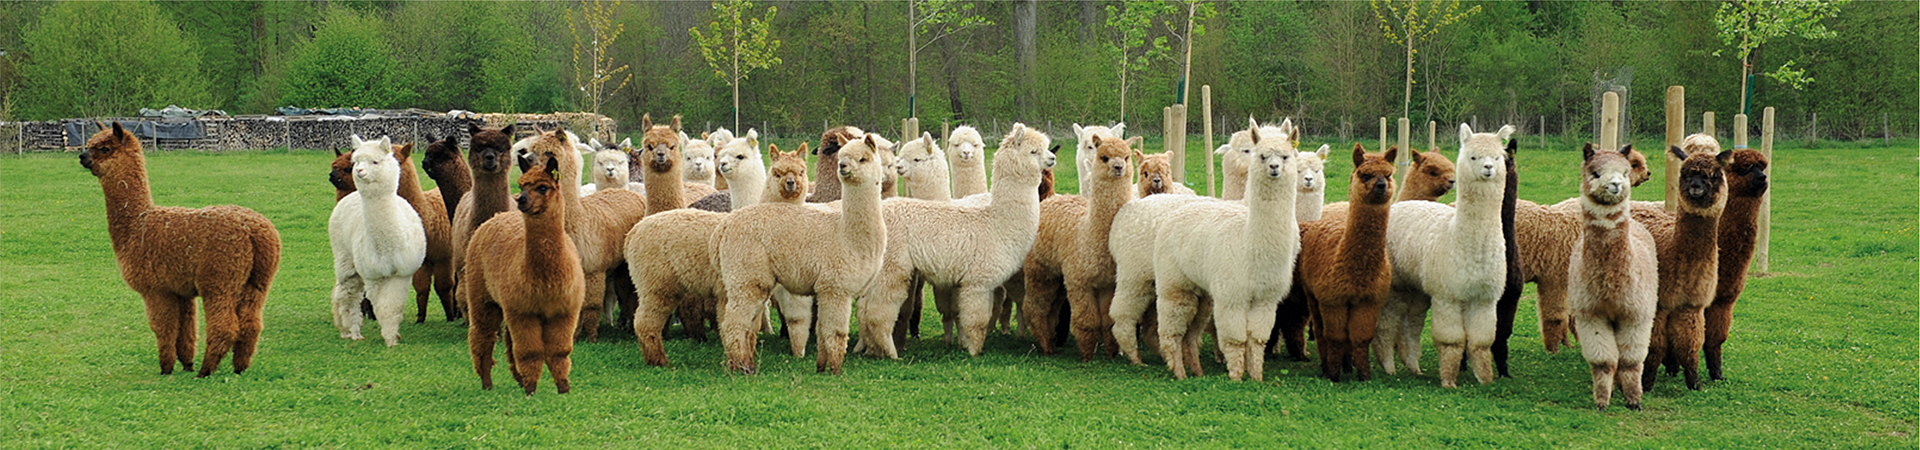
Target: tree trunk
{"points": [[1089, 12], [1406, 101], [1025, 20], [736, 77], [913, 51], [1186, 62], [953, 81]]}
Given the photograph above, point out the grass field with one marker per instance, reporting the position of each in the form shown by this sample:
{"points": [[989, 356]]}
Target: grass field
{"points": [[1824, 352]]}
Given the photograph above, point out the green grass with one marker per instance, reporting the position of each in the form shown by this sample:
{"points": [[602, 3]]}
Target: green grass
{"points": [[1823, 355]]}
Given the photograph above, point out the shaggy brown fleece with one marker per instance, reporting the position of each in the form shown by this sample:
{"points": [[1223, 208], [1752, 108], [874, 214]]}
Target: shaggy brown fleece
{"points": [[436, 271], [1689, 262], [488, 160], [341, 174], [1746, 188], [1343, 271], [1430, 177], [1071, 254], [828, 188], [226, 255], [524, 272], [659, 154], [449, 172], [788, 180]]}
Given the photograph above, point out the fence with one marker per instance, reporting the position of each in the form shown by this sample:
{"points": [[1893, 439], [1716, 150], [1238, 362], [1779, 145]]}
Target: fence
{"points": [[288, 132]]}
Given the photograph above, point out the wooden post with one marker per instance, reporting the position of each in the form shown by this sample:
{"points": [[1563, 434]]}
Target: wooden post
{"points": [[1177, 145], [1813, 132], [1609, 121], [1431, 129], [1206, 129], [1739, 131], [1401, 160], [909, 129], [1406, 128], [1543, 132], [1706, 124], [1765, 221], [1383, 133], [1676, 131]]}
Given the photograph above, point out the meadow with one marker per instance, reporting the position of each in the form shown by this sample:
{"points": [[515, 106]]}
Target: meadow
{"points": [[1824, 350]]}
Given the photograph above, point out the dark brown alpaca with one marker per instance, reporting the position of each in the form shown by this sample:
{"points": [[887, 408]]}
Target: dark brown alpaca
{"points": [[525, 272], [1509, 302], [489, 157], [1343, 270], [448, 171], [226, 255], [1746, 184], [436, 271], [1689, 261], [341, 174]]}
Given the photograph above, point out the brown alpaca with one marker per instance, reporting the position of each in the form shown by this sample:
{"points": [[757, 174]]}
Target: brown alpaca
{"points": [[598, 225], [1545, 236], [1689, 259], [659, 154], [1746, 186], [523, 271], [1343, 269], [1071, 252], [787, 182], [1430, 177], [436, 271], [828, 188], [449, 173], [1615, 278], [1156, 176], [488, 159], [226, 255], [341, 174]]}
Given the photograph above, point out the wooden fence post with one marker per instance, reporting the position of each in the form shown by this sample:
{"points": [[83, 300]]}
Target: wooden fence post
{"points": [[1609, 121], [1177, 141], [1706, 124], [1676, 131], [1543, 132], [1406, 128], [1206, 128], [1383, 133], [1739, 131], [1431, 129], [1765, 221]]}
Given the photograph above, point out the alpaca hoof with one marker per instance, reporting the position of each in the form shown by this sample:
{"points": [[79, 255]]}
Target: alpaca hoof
{"points": [[1600, 408], [1694, 385], [1298, 358], [1633, 406], [1449, 385]]}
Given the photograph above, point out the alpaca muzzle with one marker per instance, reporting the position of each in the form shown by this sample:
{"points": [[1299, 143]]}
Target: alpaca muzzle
{"points": [[86, 159]]}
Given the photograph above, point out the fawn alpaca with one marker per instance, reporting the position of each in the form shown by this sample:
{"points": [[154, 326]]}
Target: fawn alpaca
{"points": [[227, 255], [525, 273], [1615, 278]]}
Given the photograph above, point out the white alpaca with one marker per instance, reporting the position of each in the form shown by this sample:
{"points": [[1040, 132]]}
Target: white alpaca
{"points": [[1235, 155], [378, 243], [697, 159], [609, 172], [967, 155], [1452, 259], [739, 162], [1239, 257], [1131, 242], [1084, 155], [963, 251], [924, 166], [1615, 279], [1313, 185]]}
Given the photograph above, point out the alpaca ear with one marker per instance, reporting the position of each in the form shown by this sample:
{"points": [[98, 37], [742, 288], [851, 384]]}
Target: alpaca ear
{"points": [[1095, 140], [386, 143], [551, 166], [1505, 132], [357, 140], [753, 137], [336, 152], [1223, 149], [802, 150], [1678, 153], [1253, 130], [676, 122], [1513, 146], [1465, 132], [1586, 152], [406, 151], [928, 136], [1725, 158], [1055, 149], [870, 144], [1078, 132], [431, 139], [507, 130], [1324, 150], [1393, 152], [1286, 127], [474, 128], [1137, 156], [1118, 129], [1627, 151], [646, 121], [1360, 154]]}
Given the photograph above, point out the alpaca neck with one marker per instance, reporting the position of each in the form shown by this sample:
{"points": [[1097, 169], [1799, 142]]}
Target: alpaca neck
{"points": [[969, 177], [826, 170], [744, 186], [1308, 205], [576, 211], [1015, 204], [545, 240], [1476, 204], [1235, 186], [379, 208], [127, 197], [1365, 240], [1603, 244], [1738, 232], [455, 182], [860, 218], [1271, 219], [410, 187], [666, 190], [1106, 195], [931, 184], [489, 195]]}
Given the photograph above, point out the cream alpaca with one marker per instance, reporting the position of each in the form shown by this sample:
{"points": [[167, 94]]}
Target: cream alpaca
{"points": [[924, 166], [378, 243], [1615, 279], [1239, 256], [1131, 242], [831, 255], [1084, 154], [597, 224], [1452, 259], [1313, 185], [697, 159], [968, 155]]}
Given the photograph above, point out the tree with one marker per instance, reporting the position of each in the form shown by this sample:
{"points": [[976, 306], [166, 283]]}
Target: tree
{"points": [[1195, 11], [939, 18], [1131, 23], [591, 51], [87, 59], [1409, 22], [735, 44], [347, 64], [1746, 25]]}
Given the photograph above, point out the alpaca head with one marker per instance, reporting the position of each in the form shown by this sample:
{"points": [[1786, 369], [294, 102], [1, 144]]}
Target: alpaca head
{"points": [[110, 150], [789, 172], [610, 168], [922, 153], [860, 161], [557, 142], [1024, 153], [1273, 157], [1156, 173], [833, 138], [966, 146], [1113, 160], [1747, 174], [539, 185], [1640, 172], [660, 146], [697, 157], [441, 158], [1313, 170], [1606, 178], [739, 154], [1372, 179], [490, 149], [1236, 152], [719, 137], [1087, 151], [1482, 161], [342, 174], [1702, 184], [1431, 175], [376, 171]]}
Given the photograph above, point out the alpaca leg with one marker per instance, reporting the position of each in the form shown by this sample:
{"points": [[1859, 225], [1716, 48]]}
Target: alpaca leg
{"points": [[1410, 325], [1657, 347], [184, 340], [1104, 303], [945, 301], [1719, 325], [422, 290], [1260, 324], [880, 319], [1387, 339], [1684, 343], [1190, 348], [1178, 308], [1449, 339], [1291, 319], [1363, 316], [247, 338], [529, 347], [650, 324], [1554, 322], [736, 327], [1334, 339], [1084, 302], [1038, 307], [558, 335], [621, 291], [483, 328], [836, 310], [593, 305], [1597, 345], [1011, 292], [1503, 331], [443, 287], [389, 306], [1603, 378], [347, 292], [1482, 327], [796, 312], [1631, 337], [1131, 296], [222, 325], [975, 304], [163, 317]]}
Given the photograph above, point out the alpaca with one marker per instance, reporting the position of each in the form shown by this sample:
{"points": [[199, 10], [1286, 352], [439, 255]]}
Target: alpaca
{"points": [[1131, 242], [1545, 235], [828, 188], [1430, 177], [719, 138], [924, 166], [1746, 190], [1615, 278], [831, 255], [341, 174], [1071, 252], [449, 173], [964, 252], [1084, 150], [525, 273], [1453, 260], [378, 243], [697, 159], [226, 255], [671, 255], [1156, 176], [1312, 200], [788, 176], [489, 156], [436, 270], [1233, 261], [969, 161], [1344, 271], [597, 224], [1688, 258], [660, 153], [609, 171], [1509, 303]]}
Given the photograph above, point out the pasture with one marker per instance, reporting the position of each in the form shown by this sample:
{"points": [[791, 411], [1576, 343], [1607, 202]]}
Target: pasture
{"points": [[1823, 353]]}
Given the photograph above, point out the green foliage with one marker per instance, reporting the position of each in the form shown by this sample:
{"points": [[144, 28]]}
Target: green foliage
{"points": [[348, 64], [1408, 23], [593, 67], [93, 59], [735, 44], [1746, 25], [463, 55]]}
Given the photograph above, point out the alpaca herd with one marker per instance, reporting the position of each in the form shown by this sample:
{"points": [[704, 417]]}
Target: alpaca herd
{"points": [[710, 232]]}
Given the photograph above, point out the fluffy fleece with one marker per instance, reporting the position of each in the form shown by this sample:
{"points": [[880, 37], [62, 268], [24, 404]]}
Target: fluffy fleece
{"points": [[968, 155], [1156, 176], [924, 166], [964, 252], [788, 176], [1688, 259], [1746, 194], [1070, 254], [1452, 259], [378, 243], [697, 155], [489, 157], [1615, 278], [226, 255], [829, 254], [1312, 200], [525, 272], [1431, 176], [1545, 235], [436, 270], [1131, 242], [449, 172], [1233, 261], [1344, 271], [609, 171], [739, 164], [1084, 149], [340, 174], [597, 224]]}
